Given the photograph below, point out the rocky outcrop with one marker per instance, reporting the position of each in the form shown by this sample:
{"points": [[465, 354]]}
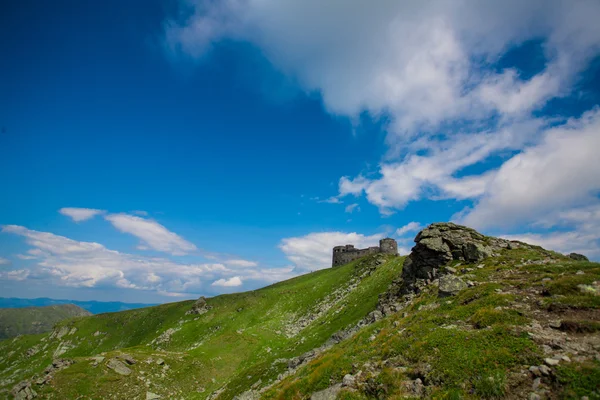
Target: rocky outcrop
{"points": [[441, 243], [118, 366], [578, 257], [200, 307]]}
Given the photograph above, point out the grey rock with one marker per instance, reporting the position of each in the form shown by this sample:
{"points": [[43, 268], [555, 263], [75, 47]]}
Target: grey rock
{"points": [[578, 257], [451, 270], [535, 370], [349, 381], [118, 366], [152, 396], [474, 252], [328, 394], [24, 391], [534, 396], [200, 307], [451, 285], [551, 361], [545, 370], [440, 243], [127, 358], [536, 383]]}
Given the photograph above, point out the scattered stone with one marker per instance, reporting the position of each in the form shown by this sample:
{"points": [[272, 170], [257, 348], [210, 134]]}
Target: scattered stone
{"points": [[551, 361], [534, 396], [578, 257], [580, 272], [97, 360], [594, 288], [554, 324], [565, 359], [328, 394], [127, 358], [536, 383], [545, 370], [415, 388], [24, 391], [480, 266], [152, 396], [451, 285], [451, 270], [118, 367], [348, 381], [535, 370]]}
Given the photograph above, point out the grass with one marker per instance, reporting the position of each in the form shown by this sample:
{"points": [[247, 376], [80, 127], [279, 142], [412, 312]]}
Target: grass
{"points": [[236, 343]]}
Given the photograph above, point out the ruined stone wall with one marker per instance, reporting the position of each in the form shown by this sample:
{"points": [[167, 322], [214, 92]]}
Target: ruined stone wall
{"points": [[344, 254]]}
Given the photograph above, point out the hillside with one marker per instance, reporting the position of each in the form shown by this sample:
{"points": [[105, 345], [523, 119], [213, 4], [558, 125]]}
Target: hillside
{"points": [[94, 307], [34, 320], [464, 316]]}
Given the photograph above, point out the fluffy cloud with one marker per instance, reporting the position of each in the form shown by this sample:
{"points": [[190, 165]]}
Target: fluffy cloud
{"points": [[561, 171], [351, 208], [151, 233], [80, 214], [430, 69], [313, 251], [4, 261], [231, 282], [410, 227], [60, 261]]}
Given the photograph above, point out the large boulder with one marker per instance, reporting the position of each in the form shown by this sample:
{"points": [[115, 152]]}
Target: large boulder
{"points": [[200, 307], [441, 243], [451, 285]]}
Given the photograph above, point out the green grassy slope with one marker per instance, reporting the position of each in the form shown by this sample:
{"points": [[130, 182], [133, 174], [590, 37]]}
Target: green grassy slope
{"points": [[34, 320], [233, 346], [527, 305]]}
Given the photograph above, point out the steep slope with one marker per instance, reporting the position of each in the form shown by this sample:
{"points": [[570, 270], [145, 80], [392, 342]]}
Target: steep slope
{"points": [[242, 340], [526, 324], [34, 320]]}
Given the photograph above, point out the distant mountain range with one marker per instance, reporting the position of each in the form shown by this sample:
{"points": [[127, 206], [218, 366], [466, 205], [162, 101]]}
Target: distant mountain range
{"points": [[94, 307]]}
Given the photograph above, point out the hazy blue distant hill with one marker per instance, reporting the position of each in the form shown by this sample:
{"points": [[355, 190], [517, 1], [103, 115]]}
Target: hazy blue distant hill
{"points": [[95, 307]]}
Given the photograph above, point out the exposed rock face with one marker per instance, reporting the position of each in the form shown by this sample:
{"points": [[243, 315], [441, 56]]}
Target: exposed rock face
{"points": [[578, 257], [440, 243], [199, 307]]}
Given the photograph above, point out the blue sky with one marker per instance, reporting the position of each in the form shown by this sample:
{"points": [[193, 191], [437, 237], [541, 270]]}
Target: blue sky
{"points": [[160, 150]]}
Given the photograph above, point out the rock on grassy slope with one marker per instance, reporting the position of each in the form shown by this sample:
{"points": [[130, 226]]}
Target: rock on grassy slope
{"points": [[468, 317], [33, 320]]}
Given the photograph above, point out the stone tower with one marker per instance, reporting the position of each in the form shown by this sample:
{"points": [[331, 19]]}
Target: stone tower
{"points": [[388, 246]]}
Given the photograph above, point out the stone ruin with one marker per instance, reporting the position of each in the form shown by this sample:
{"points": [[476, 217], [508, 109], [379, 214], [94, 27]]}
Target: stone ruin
{"points": [[344, 254]]}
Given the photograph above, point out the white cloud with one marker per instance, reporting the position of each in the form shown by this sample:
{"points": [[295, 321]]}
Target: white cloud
{"points": [[427, 66], [240, 263], [4, 261], [141, 213], [15, 275], [314, 251], [559, 172], [66, 262], [231, 282], [410, 227], [351, 208], [80, 214], [152, 234]]}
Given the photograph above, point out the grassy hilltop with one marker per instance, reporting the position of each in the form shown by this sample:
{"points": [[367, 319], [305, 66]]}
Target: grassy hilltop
{"points": [[527, 326]]}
